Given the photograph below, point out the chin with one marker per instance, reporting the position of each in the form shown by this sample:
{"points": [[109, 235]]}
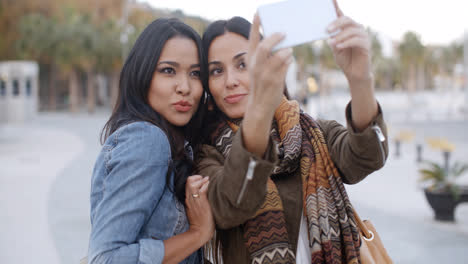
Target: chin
{"points": [[236, 114], [180, 122], [235, 111]]}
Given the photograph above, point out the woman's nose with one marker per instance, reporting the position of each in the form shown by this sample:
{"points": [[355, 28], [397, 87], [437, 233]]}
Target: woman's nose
{"points": [[182, 86], [231, 79]]}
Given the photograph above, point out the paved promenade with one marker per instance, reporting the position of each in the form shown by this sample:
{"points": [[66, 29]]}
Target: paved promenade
{"points": [[45, 171]]}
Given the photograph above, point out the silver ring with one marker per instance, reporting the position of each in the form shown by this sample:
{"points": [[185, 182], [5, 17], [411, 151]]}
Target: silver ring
{"points": [[195, 195]]}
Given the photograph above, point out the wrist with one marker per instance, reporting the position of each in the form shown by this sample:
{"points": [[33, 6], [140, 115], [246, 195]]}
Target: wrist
{"points": [[362, 82], [257, 123], [199, 236], [259, 113]]}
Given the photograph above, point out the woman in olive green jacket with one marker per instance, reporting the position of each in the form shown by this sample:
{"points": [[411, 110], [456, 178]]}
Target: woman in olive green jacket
{"points": [[276, 174]]}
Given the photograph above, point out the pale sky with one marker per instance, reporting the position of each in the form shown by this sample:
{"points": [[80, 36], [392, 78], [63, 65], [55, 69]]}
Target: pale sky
{"points": [[437, 22]]}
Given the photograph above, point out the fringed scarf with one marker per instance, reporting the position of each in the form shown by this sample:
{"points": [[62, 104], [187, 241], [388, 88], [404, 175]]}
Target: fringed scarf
{"points": [[332, 231]]}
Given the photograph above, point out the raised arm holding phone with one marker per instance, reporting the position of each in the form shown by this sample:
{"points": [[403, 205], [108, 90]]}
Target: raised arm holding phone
{"points": [[276, 174]]}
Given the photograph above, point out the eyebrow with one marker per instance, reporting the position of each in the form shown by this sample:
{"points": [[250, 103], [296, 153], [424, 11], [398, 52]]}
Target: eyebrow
{"points": [[234, 58], [239, 55], [176, 64]]}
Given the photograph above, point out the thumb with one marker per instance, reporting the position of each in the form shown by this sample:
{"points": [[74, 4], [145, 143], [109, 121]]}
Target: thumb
{"points": [[254, 36], [339, 13]]}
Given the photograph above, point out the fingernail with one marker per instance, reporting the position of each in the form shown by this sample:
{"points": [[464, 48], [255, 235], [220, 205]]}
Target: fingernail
{"points": [[331, 41], [331, 28]]}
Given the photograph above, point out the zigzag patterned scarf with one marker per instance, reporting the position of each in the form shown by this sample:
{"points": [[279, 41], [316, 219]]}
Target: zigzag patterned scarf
{"points": [[332, 231]]}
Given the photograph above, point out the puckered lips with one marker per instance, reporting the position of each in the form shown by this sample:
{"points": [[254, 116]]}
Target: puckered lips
{"points": [[182, 106]]}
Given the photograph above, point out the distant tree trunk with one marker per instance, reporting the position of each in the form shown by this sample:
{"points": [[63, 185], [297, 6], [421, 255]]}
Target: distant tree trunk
{"points": [[323, 89], [387, 80], [301, 77], [80, 89], [102, 90], [52, 89], [73, 91], [421, 78], [412, 79], [91, 92], [114, 88]]}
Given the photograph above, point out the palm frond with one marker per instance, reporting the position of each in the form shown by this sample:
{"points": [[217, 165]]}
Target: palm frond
{"points": [[433, 172], [458, 169]]}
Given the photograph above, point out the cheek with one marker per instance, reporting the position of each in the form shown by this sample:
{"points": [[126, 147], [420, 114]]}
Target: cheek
{"points": [[153, 93], [245, 80], [197, 91], [216, 89], [159, 92]]}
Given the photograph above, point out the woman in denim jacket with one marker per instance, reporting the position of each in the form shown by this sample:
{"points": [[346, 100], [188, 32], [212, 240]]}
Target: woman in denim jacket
{"points": [[140, 181]]}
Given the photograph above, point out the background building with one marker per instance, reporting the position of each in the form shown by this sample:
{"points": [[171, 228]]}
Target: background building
{"points": [[18, 90]]}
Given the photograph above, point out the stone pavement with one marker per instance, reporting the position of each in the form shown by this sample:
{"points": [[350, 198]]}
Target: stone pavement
{"points": [[31, 157], [46, 166], [45, 170], [394, 201]]}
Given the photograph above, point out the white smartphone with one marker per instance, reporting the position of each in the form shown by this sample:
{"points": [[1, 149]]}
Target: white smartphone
{"points": [[301, 20]]}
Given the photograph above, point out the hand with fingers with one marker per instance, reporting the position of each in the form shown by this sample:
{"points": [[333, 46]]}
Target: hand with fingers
{"points": [[267, 69], [351, 47], [267, 73], [352, 50], [198, 208]]}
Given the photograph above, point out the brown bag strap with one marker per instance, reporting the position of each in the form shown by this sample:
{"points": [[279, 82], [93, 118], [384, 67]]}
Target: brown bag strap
{"points": [[364, 230]]}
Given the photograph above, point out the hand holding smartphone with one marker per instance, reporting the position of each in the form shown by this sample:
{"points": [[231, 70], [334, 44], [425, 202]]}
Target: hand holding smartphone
{"points": [[301, 20]]}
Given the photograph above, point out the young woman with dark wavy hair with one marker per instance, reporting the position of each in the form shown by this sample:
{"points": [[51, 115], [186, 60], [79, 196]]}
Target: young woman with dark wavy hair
{"points": [[276, 174], [145, 206]]}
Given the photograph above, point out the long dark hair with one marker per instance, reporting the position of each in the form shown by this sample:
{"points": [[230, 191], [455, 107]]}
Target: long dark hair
{"points": [[132, 102], [218, 28], [237, 25]]}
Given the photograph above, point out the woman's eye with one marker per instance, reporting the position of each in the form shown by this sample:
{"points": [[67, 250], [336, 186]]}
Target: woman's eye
{"points": [[216, 71], [195, 74], [167, 70], [242, 65]]}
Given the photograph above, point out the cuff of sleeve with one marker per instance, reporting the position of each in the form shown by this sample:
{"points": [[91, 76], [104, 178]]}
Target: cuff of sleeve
{"points": [[151, 251], [362, 138], [239, 160], [378, 119]]}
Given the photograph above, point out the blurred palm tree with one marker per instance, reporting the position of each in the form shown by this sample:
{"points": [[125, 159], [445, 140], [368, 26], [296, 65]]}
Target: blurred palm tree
{"points": [[305, 57], [109, 55], [326, 63], [376, 46], [73, 39], [431, 66], [73, 47], [411, 54], [450, 56], [37, 35], [382, 66]]}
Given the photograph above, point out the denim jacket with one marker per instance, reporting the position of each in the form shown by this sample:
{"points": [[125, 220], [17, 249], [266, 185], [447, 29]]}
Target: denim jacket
{"points": [[132, 210]]}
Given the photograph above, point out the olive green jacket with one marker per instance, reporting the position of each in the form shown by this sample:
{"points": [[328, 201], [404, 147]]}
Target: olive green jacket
{"points": [[356, 155]]}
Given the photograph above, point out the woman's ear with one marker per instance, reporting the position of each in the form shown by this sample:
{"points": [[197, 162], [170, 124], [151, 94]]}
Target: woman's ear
{"points": [[209, 102]]}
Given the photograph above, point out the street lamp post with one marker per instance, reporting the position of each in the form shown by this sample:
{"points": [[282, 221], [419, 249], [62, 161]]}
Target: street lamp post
{"points": [[465, 53]]}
